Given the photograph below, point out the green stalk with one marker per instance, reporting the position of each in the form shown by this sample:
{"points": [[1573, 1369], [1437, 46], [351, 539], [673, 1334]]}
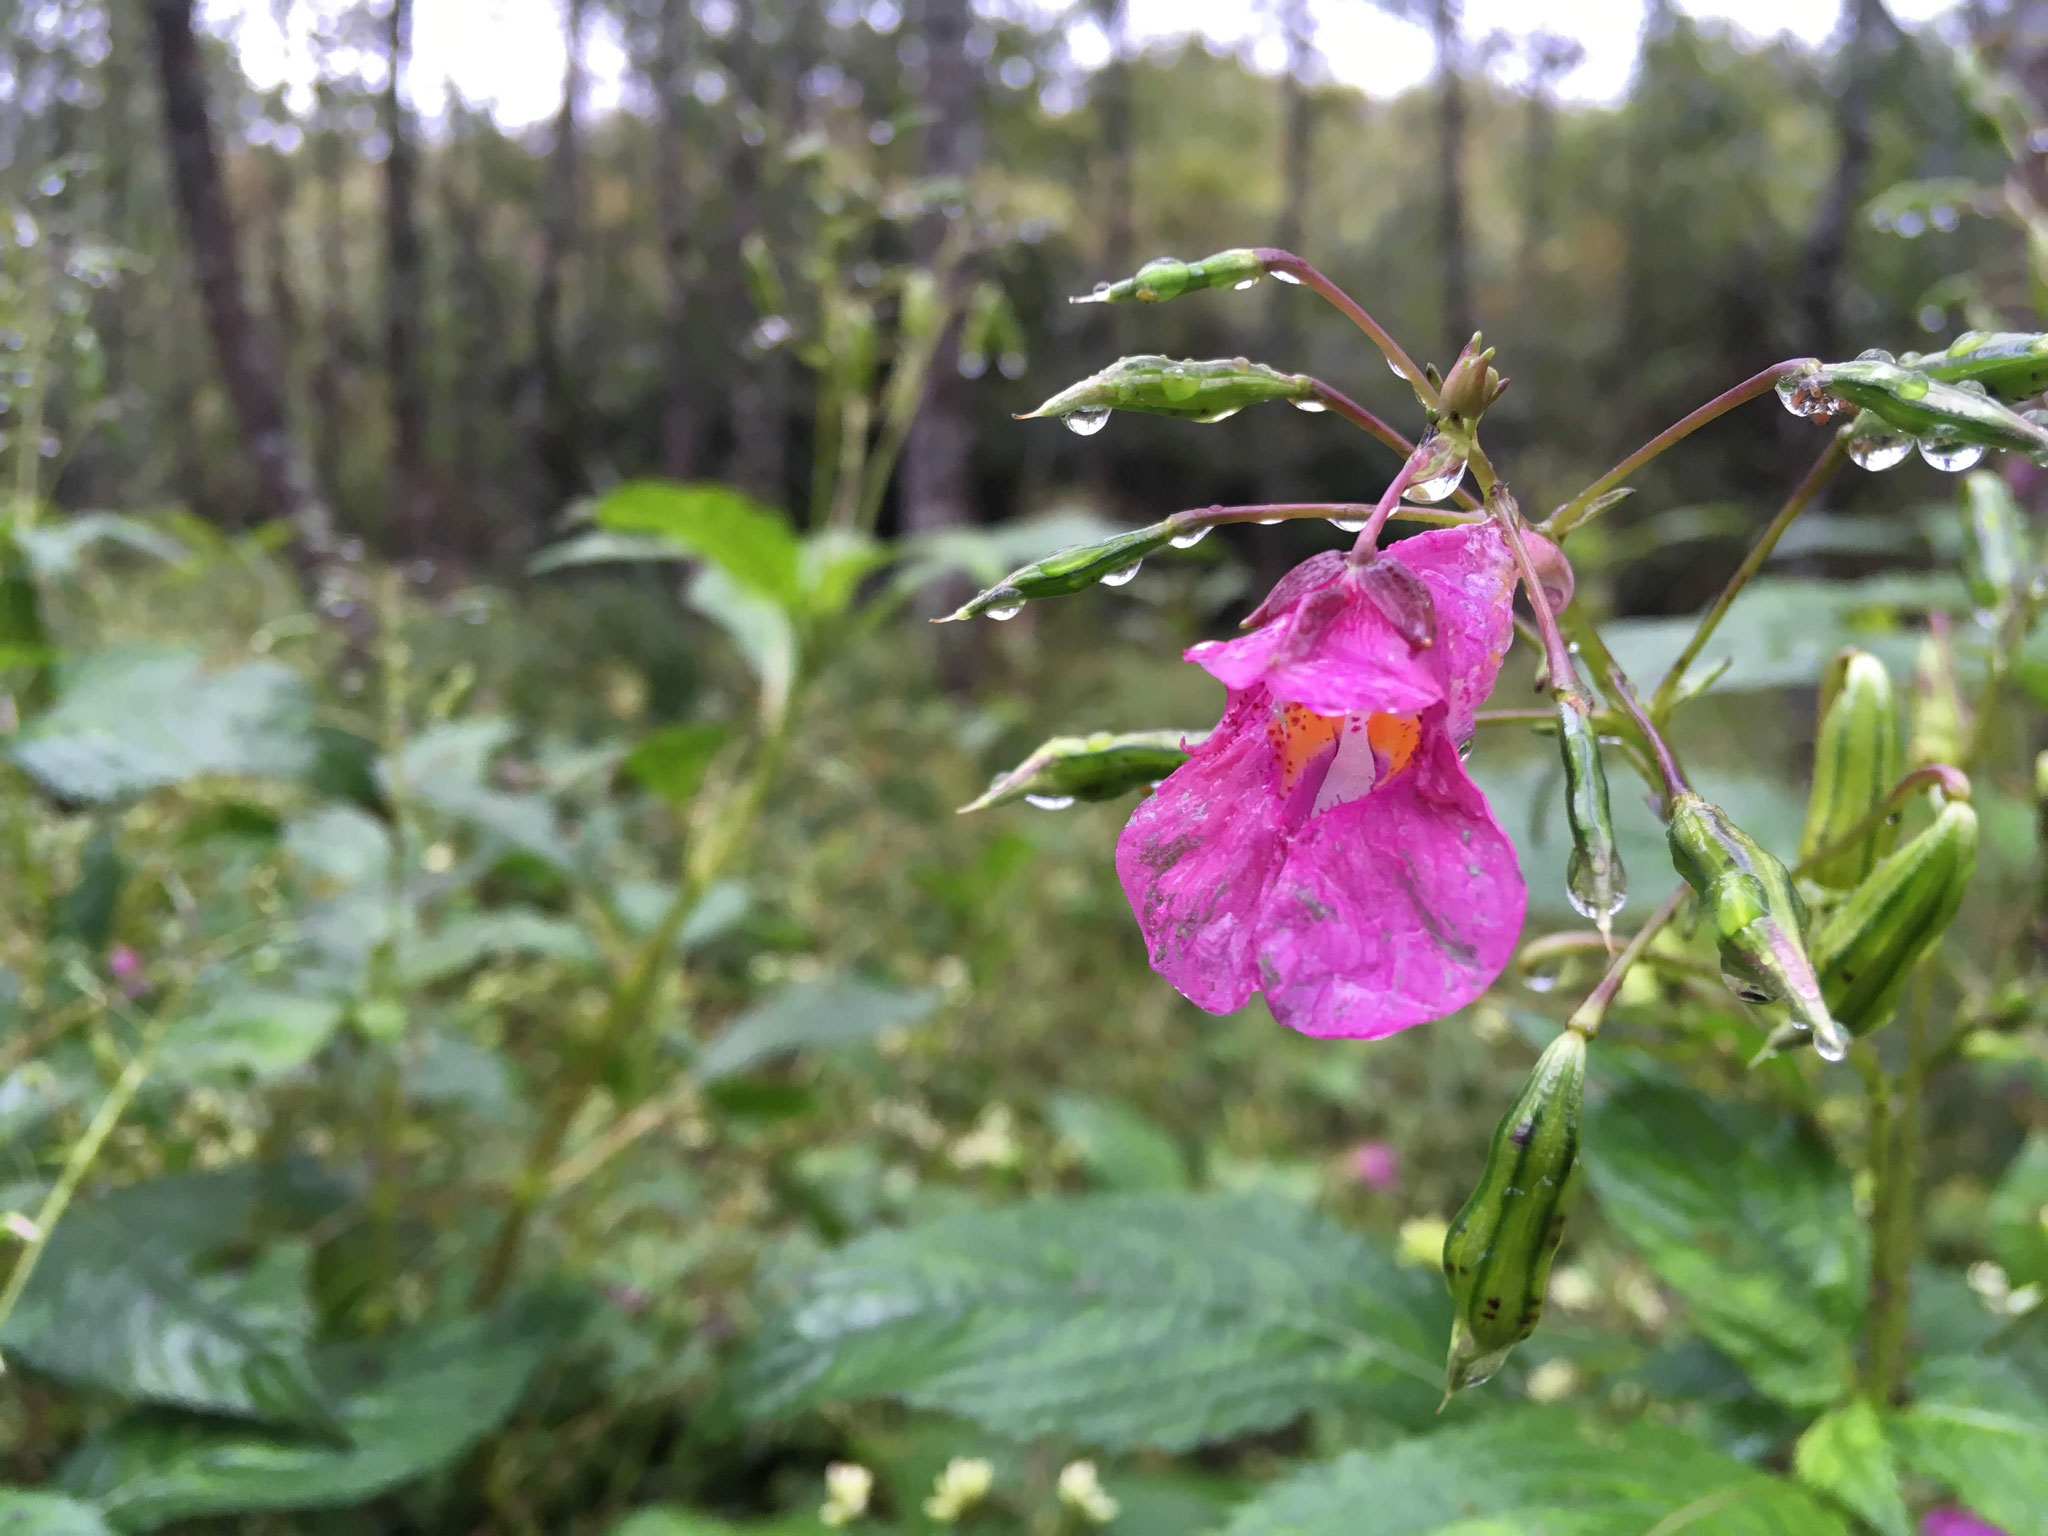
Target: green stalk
{"points": [[1587, 1018], [388, 1111]]}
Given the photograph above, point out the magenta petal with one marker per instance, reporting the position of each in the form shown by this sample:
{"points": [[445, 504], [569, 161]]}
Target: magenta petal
{"points": [[1334, 653], [1957, 1522], [1198, 854], [1472, 577], [1393, 909]]}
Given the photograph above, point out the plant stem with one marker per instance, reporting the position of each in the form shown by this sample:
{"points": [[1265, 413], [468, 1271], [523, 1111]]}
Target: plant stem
{"points": [[1367, 544], [1590, 1014], [388, 1110], [1897, 1113], [1278, 261], [1334, 399], [1825, 468], [1952, 782], [1568, 516], [1332, 511], [1557, 656]]}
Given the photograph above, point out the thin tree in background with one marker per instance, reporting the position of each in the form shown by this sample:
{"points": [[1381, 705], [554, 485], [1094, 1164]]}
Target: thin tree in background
{"points": [[1297, 131], [249, 363], [473, 296], [1446, 30], [1550, 58], [554, 402], [1867, 32], [678, 446], [337, 329], [404, 299]]}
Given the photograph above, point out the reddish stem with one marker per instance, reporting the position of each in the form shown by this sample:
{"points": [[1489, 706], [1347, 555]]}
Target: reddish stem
{"points": [[1287, 264]]}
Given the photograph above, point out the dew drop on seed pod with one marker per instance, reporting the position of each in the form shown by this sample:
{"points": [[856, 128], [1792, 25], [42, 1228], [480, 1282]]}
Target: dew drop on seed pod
{"points": [[1270, 522], [1973, 387], [1000, 615], [1582, 889], [1541, 978], [1123, 576], [1944, 452], [1348, 524], [1216, 416], [1087, 421], [1249, 282], [1875, 355], [1313, 407], [1049, 802], [1831, 1046], [1189, 539], [1288, 278], [1177, 384], [1878, 450]]}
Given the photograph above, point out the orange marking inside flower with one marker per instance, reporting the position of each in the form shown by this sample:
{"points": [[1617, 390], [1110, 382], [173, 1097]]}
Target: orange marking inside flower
{"points": [[1394, 739], [1300, 738]]}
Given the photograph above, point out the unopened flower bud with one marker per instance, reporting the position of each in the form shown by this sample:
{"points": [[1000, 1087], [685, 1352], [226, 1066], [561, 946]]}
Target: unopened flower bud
{"points": [[1471, 385], [1165, 386], [1936, 734], [1995, 552], [1855, 764], [1498, 1251], [1751, 908], [1594, 879], [1868, 946], [1098, 767], [963, 1484], [1165, 278]]}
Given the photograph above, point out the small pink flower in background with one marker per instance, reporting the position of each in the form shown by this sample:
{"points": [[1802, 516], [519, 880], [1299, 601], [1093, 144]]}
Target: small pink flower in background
{"points": [[1956, 1522], [1324, 845], [1376, 1164], [123, 962]]}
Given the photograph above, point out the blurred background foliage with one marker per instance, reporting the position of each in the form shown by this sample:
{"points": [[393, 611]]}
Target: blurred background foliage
{"points": [[488, 956]]}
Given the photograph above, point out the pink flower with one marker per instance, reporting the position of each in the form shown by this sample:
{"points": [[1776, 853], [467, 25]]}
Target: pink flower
{"points": [[1324, 845], [1376, 1164], [1956, 1522], [122, 962]]}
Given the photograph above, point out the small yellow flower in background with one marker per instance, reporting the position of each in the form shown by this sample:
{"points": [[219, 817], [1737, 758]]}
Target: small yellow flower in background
{"points": [[1553, 1381], [991, 1144], [964, 1484], [1081, 1490], [1573, 1289], [1422, 1242], [848, 1486]]}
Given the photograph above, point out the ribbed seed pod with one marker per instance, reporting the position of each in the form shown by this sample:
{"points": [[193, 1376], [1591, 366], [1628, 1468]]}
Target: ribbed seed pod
{"points": [[1498, 1252], [1868, 947], [1097, 767], [1995, 547], [1595, 882], [1750, 906], [1936, 734], [1924, 407], [1166, 386], [2013, 365], [1165, 278], [1073, 569], [1855, 764]]}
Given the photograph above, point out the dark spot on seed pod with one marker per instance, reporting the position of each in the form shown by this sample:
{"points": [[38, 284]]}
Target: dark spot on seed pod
{"points": [[1522, 1132], [1492, 1308]]}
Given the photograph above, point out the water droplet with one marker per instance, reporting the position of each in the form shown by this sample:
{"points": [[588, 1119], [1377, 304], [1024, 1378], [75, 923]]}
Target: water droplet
{"points": [[973, 365], [1911, 225], [1123, 576], [1541, 978], [1973, 387], [1830, 1044], [1049, 802], [1177, 384], [1313, 407], [1943, 217], [51, 185], [1087, 421], [1005, 613], [1011, 365], [1877, 447], [1271, 522], [1594, 892], [1969, 341], [1249, 282], [1288, 278], [1805, 396], [1442, 474], [1911, 387], [1945, 451], [1875, 355], [1189, 539], [1348, 524], [1223, 415]]}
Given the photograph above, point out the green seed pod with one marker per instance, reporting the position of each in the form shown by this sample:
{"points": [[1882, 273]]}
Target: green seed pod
{"points": [[1166, 278], [1098, 767], [2013, 365], [1754, 913], [1165, 386], [1498, 1251], [1855, 764], [1111, 561], [1930, 410], [1594, 879], [1995, 551], [1936, 734], [1868, 947]]}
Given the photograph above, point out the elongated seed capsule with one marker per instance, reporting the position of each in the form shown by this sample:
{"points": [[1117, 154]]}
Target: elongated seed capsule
{"points": [[1936, 726], [1097, 767], [1594, 879], [1869, 945], [1165, 278], [2013, 365], [1855, 764], [1754, 913], [1184, 389], [1995, 553], [1073, 569], [1498, 1251], [1927, 408]]}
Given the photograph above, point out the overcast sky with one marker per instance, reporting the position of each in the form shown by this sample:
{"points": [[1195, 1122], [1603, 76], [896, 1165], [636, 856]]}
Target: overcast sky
{"points": [[508, 53]]}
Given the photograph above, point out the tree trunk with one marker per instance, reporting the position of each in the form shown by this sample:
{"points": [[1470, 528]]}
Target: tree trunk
{"points": [[1827, 245], [247, 357], [1452, 249], [555, 399], [678, 399], [1550, 58], [411, 506], [1297, 128], [473, 299]]}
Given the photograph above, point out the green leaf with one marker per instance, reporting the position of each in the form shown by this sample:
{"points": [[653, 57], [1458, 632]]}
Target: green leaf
{"points": [[598, 547], [468, 939], [408, 1405], [674, 1520], [1160, 1320], [670, 762], [1120, 1147], [2018, 1214], [1537, 1472], [263, 1033], [1747, 1217], [836, 1011], [128, 721], [86, 911], [120, 1301], [24, 1512], [1979, 1427], [1844, 1454], [759, 628], [448, 768], [714, 523], [54, 548], [833, 562]]}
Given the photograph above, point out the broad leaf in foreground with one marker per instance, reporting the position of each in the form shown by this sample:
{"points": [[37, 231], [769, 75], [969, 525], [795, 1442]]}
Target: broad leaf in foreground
{"points": [[1978, 1426], [25, 1512], [1114, 1320], [1748, 1218], [1537, 1472]]}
